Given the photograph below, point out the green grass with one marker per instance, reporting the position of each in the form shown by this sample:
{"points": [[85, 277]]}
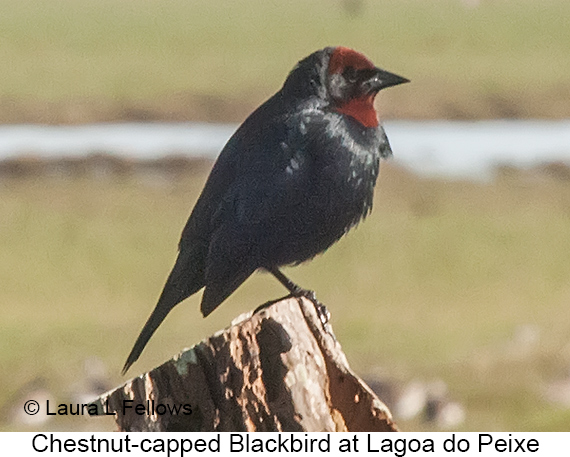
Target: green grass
{"points": [[500, 58], [433, 285]]}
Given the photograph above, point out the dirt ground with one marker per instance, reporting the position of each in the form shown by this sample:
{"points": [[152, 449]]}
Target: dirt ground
{"points": [[429, 103]]}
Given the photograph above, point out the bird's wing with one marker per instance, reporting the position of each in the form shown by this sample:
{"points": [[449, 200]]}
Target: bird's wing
{"points": [[189, 272], [226, 175]]}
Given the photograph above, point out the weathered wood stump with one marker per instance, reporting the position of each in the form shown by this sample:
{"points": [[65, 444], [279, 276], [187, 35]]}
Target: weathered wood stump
{"points": [[277, 369]]}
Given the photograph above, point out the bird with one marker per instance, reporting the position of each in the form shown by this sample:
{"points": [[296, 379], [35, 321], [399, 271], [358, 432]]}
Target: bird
{"points": [[294, 178]]}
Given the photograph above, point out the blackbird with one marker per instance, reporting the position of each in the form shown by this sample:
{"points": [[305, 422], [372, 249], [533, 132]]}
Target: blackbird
{"points": [[293, 179]]}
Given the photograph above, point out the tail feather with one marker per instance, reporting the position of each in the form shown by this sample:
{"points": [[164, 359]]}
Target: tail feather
{"points": [[180, 285], [158, 315]]}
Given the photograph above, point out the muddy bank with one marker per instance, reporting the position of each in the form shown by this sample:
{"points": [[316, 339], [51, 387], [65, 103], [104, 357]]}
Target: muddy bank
{"points": [[424, 101], [173, 168], [103, 166]]}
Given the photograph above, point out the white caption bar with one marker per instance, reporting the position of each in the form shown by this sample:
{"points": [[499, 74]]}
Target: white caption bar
{"points": [[206, 444]]}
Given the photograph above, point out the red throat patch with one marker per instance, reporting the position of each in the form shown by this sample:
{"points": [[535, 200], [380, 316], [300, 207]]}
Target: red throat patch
{"points": [[345, 57], [361, 109]]}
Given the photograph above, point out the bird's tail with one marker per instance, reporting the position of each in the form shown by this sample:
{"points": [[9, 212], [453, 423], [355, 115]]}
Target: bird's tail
{"points": [[169, 299], [155, 319], [181, 283]]}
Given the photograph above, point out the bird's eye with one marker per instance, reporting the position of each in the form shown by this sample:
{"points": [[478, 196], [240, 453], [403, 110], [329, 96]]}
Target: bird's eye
{"points": [[350, 74]]}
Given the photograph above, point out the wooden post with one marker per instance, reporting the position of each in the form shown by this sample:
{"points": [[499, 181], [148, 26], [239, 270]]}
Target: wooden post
{"points": [[277, 369]]}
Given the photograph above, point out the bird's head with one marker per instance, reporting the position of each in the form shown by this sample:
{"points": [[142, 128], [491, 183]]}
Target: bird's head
{"points": [[346, 79]]}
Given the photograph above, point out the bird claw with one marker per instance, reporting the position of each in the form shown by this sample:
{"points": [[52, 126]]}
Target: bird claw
{"points": [[322, 311], [324, 317]]}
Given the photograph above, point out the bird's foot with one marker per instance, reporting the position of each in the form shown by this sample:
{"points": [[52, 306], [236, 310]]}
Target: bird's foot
{"points": [[297, 291], [322, 311]]}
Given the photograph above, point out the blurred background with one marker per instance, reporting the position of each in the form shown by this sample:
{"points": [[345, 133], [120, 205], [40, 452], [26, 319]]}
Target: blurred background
{"points": [[451, 300]]}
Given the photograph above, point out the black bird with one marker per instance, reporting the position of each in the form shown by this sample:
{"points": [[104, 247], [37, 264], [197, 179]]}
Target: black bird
{"points": [[293, 179]]}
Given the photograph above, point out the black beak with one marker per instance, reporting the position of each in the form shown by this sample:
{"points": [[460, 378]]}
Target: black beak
{"points": [[380, 79]]}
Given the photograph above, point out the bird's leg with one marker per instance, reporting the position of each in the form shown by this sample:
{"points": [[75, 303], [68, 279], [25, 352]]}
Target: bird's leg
{"points": [[290, 285], [297, 291]]}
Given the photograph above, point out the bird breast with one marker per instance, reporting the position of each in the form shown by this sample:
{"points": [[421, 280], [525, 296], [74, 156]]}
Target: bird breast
{"points": [[331, 169]]}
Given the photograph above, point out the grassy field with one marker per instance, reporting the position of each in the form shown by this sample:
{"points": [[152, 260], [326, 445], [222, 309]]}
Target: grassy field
{"points": [[436, 284], [75, 61]]}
